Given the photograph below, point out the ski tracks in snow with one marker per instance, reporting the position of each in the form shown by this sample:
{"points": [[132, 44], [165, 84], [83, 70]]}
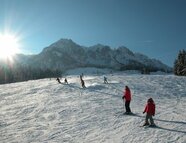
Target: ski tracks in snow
{"points": [[45, 111]]}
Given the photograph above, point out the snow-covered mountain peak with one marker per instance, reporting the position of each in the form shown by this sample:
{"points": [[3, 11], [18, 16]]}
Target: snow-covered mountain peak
{"points": [[141, 56], [63, 43], [99, 47], [65, 54], [125, 50]]}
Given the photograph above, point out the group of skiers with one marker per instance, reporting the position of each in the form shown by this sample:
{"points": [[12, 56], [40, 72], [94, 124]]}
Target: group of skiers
{"points": [[58, 80], [81, 80], [149, 108], [66, 82]]}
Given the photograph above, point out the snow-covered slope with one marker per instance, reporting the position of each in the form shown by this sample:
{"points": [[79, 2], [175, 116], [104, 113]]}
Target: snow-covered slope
{"points": [[45, 111]]}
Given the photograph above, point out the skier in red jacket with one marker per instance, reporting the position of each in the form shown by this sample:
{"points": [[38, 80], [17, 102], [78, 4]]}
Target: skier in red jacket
{"points": [[127, 97], [150, 110]]}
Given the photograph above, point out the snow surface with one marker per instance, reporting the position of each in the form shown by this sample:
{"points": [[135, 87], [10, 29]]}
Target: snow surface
{"points": [[89, 71], [45, 111]]}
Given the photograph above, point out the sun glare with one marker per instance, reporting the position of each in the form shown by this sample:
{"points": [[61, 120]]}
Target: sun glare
{"points": [[9, 45]]}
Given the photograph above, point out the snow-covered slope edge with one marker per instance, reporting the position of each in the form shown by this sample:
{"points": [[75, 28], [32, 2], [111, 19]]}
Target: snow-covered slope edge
{"points": [[45, 111]]}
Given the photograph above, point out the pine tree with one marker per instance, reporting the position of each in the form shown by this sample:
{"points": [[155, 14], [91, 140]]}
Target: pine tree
{"points": [[176, 67], [180, 64]]}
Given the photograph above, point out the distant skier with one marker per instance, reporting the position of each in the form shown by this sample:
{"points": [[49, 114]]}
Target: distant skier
{"points": [[82, 82], [65, 81], [57, 79], [127, 97], [150, 110], [105, 80]]}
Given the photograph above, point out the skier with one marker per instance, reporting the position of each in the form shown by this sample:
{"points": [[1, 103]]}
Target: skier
{"points": [[105, 80], [127, 97], [150, 110], [82, 82], [65, 81], [57, 79]]}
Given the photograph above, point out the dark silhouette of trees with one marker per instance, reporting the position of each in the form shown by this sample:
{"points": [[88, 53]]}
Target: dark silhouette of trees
{"points": [[17, 73], [180, 64]]}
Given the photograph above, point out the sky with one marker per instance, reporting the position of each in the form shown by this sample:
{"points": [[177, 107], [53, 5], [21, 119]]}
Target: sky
{"points": [[156, 28]]}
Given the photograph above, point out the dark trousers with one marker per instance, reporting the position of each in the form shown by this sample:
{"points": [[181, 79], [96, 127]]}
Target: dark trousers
{"points": [[127, 106], [149, 117]]}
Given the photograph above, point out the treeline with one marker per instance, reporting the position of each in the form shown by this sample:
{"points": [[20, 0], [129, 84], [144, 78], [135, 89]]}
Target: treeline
{"points": [[142, 68], [180, 64], [15, 73]]}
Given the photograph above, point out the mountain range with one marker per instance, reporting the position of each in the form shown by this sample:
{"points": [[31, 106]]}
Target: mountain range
{"points": [[66, 54]]}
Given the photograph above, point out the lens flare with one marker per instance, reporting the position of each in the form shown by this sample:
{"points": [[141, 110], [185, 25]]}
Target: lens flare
{"points": [[9, 45]]}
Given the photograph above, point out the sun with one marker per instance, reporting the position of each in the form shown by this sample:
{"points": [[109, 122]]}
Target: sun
{"points": [[9, 45]]}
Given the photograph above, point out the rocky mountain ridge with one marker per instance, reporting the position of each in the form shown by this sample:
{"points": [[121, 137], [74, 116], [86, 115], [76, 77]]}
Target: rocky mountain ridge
{"points": [[66, 54]]}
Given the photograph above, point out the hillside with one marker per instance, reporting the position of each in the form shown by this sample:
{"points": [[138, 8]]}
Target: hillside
{"points": [[45, 111], [66, 54]]}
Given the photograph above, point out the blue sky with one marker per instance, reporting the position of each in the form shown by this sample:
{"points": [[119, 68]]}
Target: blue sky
{"points": [[156, 28]]}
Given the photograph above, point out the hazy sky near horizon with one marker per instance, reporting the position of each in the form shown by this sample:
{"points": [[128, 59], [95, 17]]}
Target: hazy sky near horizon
{"points": [[156, 28]]}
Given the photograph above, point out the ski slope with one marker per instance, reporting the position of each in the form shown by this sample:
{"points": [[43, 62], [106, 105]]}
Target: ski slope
{"points": [[48, 112]]}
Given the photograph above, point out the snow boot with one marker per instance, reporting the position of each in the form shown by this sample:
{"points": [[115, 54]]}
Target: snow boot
{"points": [[152, 125], [146, 124], [128, 113]]}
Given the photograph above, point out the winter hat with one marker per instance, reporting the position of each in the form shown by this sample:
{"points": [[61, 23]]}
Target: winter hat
{"points": [[150, 100]]}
